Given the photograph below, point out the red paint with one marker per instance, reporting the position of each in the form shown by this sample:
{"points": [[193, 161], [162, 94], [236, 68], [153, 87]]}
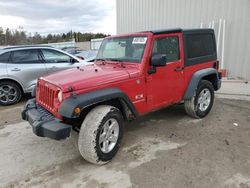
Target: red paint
{"points": [[147, 92]]}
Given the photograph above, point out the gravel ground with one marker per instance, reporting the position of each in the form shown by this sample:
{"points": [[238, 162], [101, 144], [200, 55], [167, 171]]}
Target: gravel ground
{"points": [[163, 149]]}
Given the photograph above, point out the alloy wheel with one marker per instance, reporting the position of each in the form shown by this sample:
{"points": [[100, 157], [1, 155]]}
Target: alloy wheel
{"points": [[109, 135], [204, 99], [8, 94]]}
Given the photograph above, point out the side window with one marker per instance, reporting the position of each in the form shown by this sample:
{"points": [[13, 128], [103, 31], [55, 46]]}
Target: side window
{"points": [[25, 57], [168, 46], [53, 56], [4, 58], [200, 45]]}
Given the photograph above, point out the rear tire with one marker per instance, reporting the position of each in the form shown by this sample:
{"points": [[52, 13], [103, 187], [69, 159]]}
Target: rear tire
{"points": [[10, 93], [201, 103], [101, 134]]}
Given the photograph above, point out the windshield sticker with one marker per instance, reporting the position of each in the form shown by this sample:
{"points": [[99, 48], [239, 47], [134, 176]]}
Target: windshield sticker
{"points": [[139, 40]]}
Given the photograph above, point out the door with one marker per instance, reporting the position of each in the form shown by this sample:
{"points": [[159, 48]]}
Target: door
{"points": [[26, 66], [4, 60], [166, 85], [57, 61]]}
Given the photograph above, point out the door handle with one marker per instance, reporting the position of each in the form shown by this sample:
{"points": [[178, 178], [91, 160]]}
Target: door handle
{"points": [[179, 69], [16, 69]]}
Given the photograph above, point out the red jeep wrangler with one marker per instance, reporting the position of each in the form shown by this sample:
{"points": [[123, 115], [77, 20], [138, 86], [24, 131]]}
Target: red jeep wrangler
{"points": [[133, 74]]}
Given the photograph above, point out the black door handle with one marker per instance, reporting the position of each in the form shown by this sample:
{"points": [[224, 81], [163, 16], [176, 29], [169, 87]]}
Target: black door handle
{"points": [[16, 69], [179, 69]]}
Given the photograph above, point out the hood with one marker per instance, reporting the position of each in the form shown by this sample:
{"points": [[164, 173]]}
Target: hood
{"points": [[91, 76]]}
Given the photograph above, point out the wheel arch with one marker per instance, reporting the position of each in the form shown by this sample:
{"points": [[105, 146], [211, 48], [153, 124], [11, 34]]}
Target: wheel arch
{"points": [[213, 78], [209, 74], [87, 101], [12, 80]]}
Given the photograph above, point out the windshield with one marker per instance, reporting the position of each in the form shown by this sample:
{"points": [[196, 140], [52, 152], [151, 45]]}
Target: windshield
{"points": [[128, 48]]}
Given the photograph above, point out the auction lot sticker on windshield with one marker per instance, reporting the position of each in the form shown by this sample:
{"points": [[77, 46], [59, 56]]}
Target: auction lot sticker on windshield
{"points": [[139, 40]]}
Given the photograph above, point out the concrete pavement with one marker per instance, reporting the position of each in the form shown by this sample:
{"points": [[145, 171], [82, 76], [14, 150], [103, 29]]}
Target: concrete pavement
{"points": [[235, 89], [165, 148]]}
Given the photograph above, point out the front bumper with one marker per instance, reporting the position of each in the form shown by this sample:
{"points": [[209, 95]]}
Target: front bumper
{"points": [[43, 123]]}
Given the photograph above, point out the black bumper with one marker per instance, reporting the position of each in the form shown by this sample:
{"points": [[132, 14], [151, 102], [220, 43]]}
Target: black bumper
{"points": [[43, 123]]}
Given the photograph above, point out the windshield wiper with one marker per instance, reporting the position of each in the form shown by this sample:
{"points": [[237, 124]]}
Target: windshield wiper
{"points": [[113, 59], [100, 59], [118, 60]]}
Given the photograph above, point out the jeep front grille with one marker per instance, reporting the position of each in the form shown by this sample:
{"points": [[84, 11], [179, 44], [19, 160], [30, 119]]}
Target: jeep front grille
{"points": [[46, 95]]}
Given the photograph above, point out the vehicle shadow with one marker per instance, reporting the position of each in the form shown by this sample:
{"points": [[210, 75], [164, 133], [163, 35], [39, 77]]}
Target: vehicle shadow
{"points": [[168, 115]]}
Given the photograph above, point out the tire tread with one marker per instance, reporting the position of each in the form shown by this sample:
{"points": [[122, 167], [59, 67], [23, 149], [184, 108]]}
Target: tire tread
{"points": [[89, 131]]}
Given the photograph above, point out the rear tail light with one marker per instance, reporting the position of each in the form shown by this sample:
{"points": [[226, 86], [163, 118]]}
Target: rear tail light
{"points": [[216, 65]]}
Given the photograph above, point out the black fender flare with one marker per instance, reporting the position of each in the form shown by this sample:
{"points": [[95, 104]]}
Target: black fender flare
{"points": [[197, 76], [82, 101]]}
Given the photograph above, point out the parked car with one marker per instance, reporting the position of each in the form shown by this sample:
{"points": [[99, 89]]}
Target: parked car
{"points": [[133, 74], [87, 54], [21, 66], [72, 50], [68, 48]]}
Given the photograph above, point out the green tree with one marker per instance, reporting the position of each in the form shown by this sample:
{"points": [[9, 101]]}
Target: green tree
{"points": [[2, 36], [20, 37]]}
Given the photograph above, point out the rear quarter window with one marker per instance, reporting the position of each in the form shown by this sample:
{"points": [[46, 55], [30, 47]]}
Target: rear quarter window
{"points": [[25, 56], [4, 58], [200, 45]]}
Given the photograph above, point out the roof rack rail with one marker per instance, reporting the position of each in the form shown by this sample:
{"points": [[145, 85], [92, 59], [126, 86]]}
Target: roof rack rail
{"points": [[23, 46]]}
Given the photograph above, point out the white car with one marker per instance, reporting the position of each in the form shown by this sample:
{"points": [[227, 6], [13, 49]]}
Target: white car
{"points": [[21, 66]]}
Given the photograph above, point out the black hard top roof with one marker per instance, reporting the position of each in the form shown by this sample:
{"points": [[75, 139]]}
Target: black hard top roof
{"points": [[178, 30], [160, 31]]}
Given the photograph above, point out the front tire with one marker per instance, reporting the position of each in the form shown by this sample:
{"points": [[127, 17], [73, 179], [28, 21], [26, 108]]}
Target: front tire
{"points": [[200, 104], [10, 93], [101, 134]]}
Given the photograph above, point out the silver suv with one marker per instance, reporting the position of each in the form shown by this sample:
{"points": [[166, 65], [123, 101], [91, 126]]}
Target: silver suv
{"points": [[20, 67]]}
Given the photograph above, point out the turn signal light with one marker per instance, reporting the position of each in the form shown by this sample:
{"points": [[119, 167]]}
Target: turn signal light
{"points": [[77, 110]]}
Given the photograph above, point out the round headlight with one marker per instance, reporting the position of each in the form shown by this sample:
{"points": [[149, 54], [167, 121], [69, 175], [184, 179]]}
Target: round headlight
{"points": [[59, 96]]}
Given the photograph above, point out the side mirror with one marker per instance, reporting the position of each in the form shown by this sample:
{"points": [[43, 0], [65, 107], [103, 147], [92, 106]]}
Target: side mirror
{"points": [[73, 61], [158, 60]]}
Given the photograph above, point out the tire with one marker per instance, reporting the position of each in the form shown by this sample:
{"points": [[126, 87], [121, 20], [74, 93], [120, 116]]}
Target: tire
{"points": [[10, 93], [200, 104], [94, 145]]}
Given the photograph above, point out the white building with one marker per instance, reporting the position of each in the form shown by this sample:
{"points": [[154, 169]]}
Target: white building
{"points": [[229, 18]]}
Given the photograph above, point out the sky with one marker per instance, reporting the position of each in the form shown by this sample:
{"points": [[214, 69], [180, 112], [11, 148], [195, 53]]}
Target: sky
{"points": [[58, 16]]}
